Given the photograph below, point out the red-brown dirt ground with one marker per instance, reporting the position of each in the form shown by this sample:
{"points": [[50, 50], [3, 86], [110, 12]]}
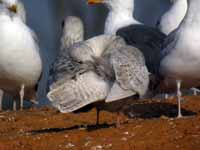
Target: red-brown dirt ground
{"points": [[153, 126]]}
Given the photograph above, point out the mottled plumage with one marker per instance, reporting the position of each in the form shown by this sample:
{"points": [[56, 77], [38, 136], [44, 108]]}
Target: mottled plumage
{"points": [[64, 66], [105, 70], [149, 40], [92, 84], [130, 70]]}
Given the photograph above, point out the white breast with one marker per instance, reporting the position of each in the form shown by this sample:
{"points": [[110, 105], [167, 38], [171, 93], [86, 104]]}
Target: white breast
{"points": [[19, 54]]}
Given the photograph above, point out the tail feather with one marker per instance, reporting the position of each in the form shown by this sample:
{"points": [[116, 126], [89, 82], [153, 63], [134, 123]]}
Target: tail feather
{"points": [[75, 94]]}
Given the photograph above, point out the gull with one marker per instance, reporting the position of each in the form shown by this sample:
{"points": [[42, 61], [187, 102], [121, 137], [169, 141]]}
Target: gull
{"points": [[171, 20], [120, 21], [106, 70], [20, 62], [173, 17], [180, 61], [17, 7]]}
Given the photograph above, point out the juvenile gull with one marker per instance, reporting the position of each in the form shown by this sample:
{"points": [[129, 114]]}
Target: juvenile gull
{"points": [[109, 65], [20, 63], [181, 56], [124, 75], [173, 17]]}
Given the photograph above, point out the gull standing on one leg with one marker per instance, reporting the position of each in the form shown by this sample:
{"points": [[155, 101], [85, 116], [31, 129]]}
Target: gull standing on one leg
{"points": [[70, 92], [181, 54]]}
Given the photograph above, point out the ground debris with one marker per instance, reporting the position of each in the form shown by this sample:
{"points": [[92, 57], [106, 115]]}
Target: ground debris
{"points": [[154, 126]]}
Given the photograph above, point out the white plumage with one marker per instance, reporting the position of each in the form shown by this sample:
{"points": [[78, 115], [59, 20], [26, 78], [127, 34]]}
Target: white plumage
{"points": [[120, 16], [20, 63], [181, 55], [15, 5], [173, 17]]}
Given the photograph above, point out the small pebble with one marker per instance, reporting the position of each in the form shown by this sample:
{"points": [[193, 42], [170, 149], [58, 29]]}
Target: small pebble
{"points": [[70, 145], [87, 143], [124, 139], [126, 133], [66, 136], [177, 146], [98, 147]]}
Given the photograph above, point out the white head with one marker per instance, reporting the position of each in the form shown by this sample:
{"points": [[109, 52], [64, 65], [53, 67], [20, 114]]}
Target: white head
{"points": [[73, 31], [5, 14], [10, 4], [15, 6], [120, 14]]}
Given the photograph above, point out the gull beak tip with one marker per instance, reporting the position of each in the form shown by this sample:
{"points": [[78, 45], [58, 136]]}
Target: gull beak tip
{"points": [[92, 2]]}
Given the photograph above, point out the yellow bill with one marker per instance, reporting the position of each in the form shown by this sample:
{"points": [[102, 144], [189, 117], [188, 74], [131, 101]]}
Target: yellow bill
{"points": [[95, 1]]}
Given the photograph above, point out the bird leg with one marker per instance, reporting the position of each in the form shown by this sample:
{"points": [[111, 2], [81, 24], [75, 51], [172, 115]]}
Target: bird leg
{"points": [[119, 119], [97, 117], [14, 104], [179, 94], [21, 93], [166, 96]]}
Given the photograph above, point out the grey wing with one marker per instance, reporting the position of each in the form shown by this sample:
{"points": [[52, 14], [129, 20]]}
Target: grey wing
{"points": [[72, 95], [168, 43], [63, 67], [130, 70], [149, 40]]}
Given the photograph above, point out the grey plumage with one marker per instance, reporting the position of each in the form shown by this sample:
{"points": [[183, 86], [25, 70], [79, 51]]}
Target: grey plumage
{"points": [[88, 87], [74, 94], [130, 70], [65, 66], [112, 71], [148, 39]]}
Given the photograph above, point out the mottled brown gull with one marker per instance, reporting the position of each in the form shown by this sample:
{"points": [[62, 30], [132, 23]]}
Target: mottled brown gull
{"points": [[108, 70]]}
